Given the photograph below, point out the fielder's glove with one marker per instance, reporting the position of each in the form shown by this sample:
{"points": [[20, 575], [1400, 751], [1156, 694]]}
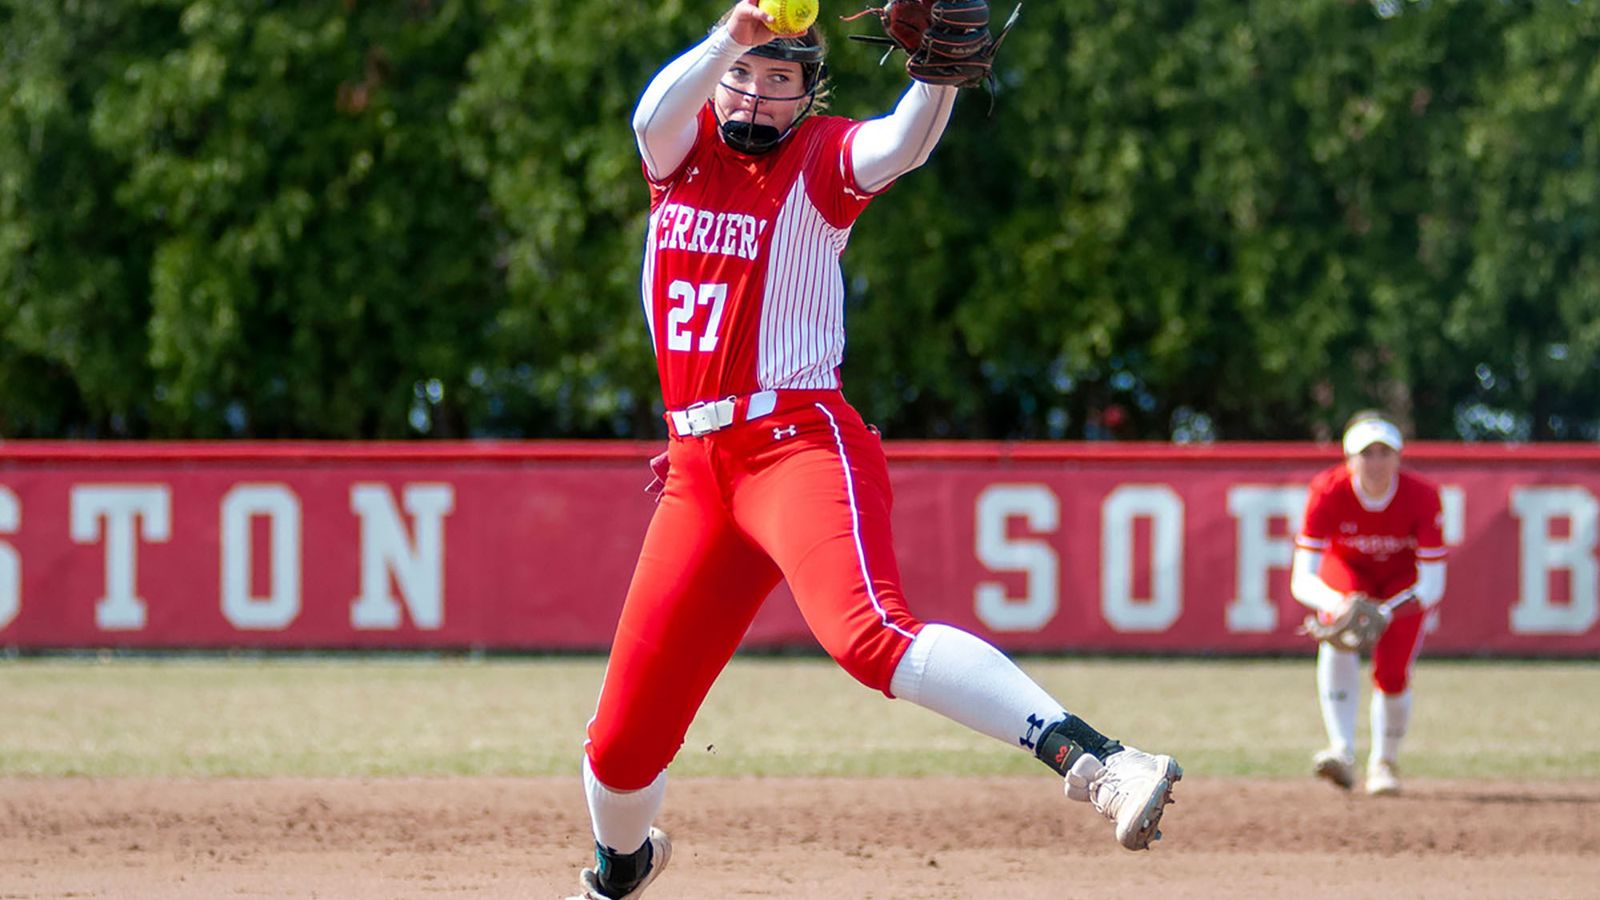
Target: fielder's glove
{"points": [[946, 41], [1357, 628]]}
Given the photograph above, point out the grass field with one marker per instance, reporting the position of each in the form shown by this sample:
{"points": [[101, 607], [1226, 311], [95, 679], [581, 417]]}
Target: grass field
{"points": [[395, 716]]}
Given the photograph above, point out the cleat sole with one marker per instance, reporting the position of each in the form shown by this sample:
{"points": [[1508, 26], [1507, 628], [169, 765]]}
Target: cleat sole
{"points": [[1149, 826]]}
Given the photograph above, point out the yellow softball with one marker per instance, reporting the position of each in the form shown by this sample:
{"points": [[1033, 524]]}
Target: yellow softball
{"points": [[790, 16]]}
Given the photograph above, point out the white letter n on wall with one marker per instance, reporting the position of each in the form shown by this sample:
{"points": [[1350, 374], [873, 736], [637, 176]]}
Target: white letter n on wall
{"points": [[417, 565]]}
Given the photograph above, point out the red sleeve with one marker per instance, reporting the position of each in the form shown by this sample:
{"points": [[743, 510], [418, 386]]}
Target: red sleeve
{"points": [[1317, 529], [1430, 523], [830, 177]]}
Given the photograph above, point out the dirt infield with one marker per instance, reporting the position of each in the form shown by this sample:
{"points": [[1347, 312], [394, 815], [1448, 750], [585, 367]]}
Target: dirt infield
{"points": [[790, 838]]}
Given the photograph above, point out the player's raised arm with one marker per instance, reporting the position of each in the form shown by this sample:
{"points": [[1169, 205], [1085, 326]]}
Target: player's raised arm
{"points": [[948, 46], [888, 147], [664, 121]]}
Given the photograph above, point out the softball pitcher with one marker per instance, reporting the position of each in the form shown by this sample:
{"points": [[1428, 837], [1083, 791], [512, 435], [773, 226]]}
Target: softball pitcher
{"points": [[1375, 531], [772, 474]]}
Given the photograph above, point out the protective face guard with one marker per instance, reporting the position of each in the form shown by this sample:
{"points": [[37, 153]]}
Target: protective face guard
{"points": [[748, 137]]}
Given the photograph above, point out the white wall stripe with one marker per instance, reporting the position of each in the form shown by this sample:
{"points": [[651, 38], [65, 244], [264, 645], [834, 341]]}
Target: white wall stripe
{"points": [[855, 525]]}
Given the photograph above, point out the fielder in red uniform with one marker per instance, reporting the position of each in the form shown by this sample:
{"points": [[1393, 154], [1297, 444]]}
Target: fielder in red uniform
{"points": [[753, 194], [1374, 529]]}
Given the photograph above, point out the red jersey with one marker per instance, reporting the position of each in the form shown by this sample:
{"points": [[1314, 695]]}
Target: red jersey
{"points": [[1373, 549], [742, 288]]}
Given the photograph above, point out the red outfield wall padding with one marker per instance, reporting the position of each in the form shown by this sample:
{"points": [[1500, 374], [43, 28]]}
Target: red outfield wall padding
{"points": [[1038, 547]]}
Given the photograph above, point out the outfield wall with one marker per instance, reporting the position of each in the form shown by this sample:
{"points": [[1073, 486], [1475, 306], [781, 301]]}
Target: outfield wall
{"points": [[514, 546]]}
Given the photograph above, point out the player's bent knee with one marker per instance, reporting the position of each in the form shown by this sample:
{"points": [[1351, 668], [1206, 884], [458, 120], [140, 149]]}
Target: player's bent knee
{"points": [[862, 670], [871, 657], [1389, 683], [622, 766]]}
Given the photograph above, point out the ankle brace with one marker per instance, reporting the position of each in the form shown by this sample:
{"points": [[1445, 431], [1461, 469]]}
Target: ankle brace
{"points": [[1061, 743], [620, 873]]}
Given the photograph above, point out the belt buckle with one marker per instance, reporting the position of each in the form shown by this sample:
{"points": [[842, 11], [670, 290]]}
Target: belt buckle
{"points": [[701, 418]]}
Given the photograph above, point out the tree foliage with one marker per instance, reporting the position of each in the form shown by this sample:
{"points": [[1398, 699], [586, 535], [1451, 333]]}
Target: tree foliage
{"points": [[1186, 219], [237, 217]]}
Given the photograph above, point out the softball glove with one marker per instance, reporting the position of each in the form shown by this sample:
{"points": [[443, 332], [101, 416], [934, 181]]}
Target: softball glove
{"points": [[945, 41], [1356, 628]]}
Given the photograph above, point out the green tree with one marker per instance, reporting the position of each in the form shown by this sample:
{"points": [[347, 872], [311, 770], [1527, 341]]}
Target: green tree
{"points": [[1264, 215], [1184, 219], [241, 217], [72, 342], [543, 122]]}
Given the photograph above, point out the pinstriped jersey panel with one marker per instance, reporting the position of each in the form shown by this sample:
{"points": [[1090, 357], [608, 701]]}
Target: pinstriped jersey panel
{"points": [[802, 312]]}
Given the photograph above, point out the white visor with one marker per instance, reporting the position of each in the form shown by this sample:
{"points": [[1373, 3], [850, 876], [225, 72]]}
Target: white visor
{"points": [[1367, 432]]}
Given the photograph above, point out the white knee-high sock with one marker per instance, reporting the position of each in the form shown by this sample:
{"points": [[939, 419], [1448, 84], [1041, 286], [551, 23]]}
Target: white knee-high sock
{"points": [[964, 678], [1391, 715], [621, 819], [1338, 691]]}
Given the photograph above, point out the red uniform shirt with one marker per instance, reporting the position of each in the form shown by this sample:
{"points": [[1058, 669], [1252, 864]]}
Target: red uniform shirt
{"points": [[1372, 550], [742, 288]]}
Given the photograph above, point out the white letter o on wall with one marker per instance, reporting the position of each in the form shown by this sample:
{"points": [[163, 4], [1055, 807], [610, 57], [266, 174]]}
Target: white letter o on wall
{"points": [[1164, 508], [281, 605]]}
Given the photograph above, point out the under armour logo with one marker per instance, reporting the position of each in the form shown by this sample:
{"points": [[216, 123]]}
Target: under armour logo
{"points": [[1034, 723], [689, 176], [779, 434]]}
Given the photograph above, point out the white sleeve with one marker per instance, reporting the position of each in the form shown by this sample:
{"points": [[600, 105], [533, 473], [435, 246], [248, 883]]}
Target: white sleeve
{"points": [[1307, 586], [890, 146], [1429, 587], [1430, 582], [664, 122]]}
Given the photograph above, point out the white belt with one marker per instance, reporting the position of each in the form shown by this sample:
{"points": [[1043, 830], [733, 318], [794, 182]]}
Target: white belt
{"points": [[714, 415]]}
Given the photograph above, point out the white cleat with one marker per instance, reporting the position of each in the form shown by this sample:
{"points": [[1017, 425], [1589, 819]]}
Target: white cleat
{"points": [[1335, 767], [660, 852], [1383, 780], [1132, 789]]}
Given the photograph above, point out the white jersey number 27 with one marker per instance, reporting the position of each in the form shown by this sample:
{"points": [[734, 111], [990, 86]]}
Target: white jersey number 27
{"points": [[686, 298]]}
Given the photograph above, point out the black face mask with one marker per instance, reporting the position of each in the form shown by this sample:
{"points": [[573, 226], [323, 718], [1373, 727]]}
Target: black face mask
{"points": [[748, 137]]}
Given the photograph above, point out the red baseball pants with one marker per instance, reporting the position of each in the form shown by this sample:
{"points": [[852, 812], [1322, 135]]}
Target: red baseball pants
{"points": [[1395, 651], [801, 494]]}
